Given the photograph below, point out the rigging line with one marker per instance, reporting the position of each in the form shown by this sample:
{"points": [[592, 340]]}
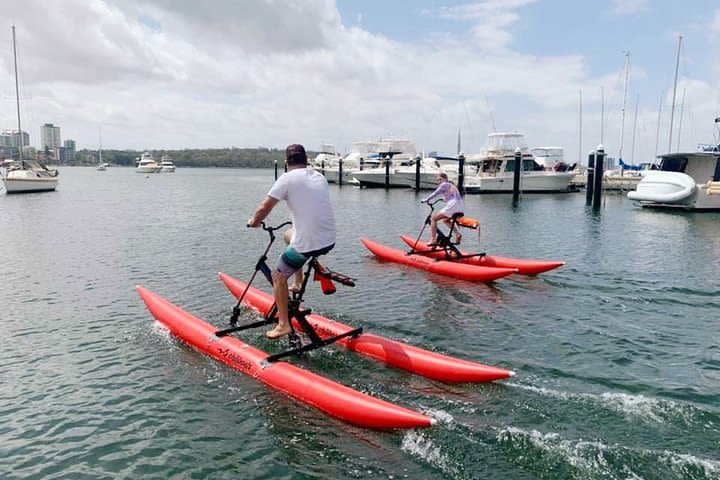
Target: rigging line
{"points": [[682, 108], [467, 119], [492, 117], [657, 134]]}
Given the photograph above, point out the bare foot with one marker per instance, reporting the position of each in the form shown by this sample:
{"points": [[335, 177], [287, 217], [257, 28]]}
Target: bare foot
{"points": [[432, 240], [295, 287], [277, 332]]}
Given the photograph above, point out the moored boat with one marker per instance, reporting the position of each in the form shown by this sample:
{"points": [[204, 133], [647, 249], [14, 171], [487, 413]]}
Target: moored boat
{"points": [[25, 175], [147, 164], [684, 181], [397, 354], [314, 390], [166, 164], [463, 271], [495, 169]]}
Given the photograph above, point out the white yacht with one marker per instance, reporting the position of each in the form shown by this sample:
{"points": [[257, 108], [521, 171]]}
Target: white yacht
{"points": [[430, 167], [147, 164], [550, 158], [166, 164], [494, 168], [328, 162], [685, 181], [397, 152]]}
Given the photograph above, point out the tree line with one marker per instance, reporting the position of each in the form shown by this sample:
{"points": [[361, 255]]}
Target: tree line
{"points": [[209, 157]]}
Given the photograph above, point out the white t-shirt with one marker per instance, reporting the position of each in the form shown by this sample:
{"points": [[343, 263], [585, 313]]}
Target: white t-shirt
{"points": [[308, 197]]}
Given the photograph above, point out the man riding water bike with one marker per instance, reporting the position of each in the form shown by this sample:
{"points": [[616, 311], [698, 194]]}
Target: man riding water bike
{"points": [[313, 232]]}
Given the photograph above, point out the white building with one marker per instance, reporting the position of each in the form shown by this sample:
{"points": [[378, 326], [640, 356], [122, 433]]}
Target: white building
{"points": [[50, 136]]}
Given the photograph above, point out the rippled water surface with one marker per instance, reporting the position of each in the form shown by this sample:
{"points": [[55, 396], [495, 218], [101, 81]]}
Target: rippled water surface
{"points": [[617, 354]]}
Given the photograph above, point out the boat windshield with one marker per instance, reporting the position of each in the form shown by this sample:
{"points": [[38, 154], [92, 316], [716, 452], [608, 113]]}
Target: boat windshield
{"points": [[673, 164], [528, 165]]}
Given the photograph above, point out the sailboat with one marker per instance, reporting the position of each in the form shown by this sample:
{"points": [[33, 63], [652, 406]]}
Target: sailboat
{"points": [[28, 175], [101, 166]]}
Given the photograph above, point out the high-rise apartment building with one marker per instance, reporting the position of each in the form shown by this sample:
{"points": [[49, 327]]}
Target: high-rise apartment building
{"points": [[50, 135], [10, 138]]}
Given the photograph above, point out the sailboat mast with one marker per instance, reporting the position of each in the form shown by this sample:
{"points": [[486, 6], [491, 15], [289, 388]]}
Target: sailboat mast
{"points": [[580, 150], [657, 133], [17, 98], [622, 120], [672, 110], [100, 138], [682, 109], [602, 115], [632, 152]]}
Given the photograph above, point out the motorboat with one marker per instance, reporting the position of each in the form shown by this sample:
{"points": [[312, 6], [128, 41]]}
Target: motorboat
{"points": [[626, 177], [166, 164], [26, 175], [430, 167], [327, 162], [147, 164], [550, 158], [392, 154], [685, 181], [494, 169]]}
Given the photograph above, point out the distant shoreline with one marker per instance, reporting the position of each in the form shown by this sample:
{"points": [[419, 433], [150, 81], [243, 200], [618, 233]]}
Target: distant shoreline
{"points": [[198, 158]]}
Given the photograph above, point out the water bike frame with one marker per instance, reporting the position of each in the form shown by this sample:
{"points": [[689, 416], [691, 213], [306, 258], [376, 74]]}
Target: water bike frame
{"points": [[444, 242], [295, 311]]}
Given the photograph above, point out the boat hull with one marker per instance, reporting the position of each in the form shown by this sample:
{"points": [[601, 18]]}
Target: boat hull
{"points": [[473, 273], [319, 392], [376, 179], [397, 354], [332, 174], [524, 267], [148, 169], [530, 182], [29, 181], [672, 190]]}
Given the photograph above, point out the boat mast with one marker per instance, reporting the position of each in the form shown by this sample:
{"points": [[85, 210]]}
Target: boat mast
{"points": [[602, 115], [622, 120], [682, 109], [672, 110], [632, 152], [17, 98], [580, 151], [100, 139], [657, 133]]}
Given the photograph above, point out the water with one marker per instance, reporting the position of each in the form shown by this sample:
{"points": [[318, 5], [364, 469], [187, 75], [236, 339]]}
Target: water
{"points": [[617, 352]]}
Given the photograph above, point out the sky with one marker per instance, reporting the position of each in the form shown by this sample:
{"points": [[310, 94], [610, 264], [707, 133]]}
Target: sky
{"points": [[175, 74]]}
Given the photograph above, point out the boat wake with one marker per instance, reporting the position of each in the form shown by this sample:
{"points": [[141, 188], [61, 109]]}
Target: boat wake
{"points": [[423, 446], [593, 458], [658, 410]]}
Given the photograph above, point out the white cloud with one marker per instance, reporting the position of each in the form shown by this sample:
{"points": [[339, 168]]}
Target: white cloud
{"points": [[715, 24], [628, 7], [492, 19], [162, 74]]}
